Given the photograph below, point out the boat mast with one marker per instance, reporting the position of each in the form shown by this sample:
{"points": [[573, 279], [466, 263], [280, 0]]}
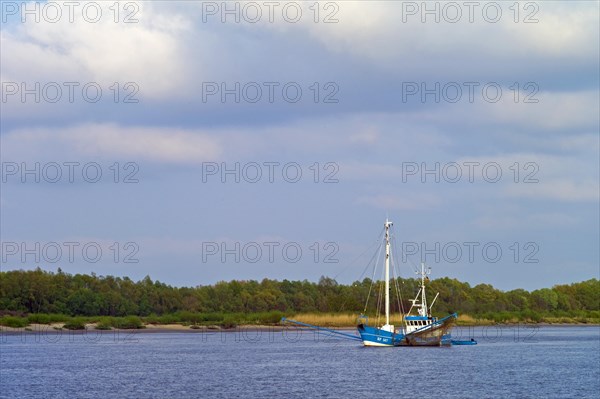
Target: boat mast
{"points": [[423, 310], [387, 271]]}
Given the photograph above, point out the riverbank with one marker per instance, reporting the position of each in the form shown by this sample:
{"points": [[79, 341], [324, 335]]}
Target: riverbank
{"points": [[341, 322], [58, 328]]}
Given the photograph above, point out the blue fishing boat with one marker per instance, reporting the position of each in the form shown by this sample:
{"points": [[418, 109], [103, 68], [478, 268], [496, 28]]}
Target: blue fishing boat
{"points": [[386, 335], [420, 329]]}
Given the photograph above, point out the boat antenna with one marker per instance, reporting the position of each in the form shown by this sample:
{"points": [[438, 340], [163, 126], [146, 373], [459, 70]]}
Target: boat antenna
{"points": [[424, 273]]}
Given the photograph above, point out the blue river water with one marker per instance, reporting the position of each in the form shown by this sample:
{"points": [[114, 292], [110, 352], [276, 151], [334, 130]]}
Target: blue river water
{"points": [[508, 362]]}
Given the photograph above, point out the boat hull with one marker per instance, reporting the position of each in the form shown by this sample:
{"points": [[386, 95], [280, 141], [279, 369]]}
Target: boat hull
{"points": [[428, 340], [434, 335], [372, 336]]}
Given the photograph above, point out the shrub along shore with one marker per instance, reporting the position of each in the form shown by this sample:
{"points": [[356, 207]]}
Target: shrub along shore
{"points": [[105, 302]]}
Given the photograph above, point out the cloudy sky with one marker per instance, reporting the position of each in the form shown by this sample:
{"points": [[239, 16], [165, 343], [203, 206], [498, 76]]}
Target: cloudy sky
{"points": [[204, 141]]}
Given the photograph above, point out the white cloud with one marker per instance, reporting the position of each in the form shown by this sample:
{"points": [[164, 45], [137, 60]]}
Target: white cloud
{"points": [[564, 29], [406, 202], [353, 170], [536, 220], [111, 141], [147, 52], [381, 30], [543, 176], [558, 189], [553, 111], [367, 137], [583, 143]]}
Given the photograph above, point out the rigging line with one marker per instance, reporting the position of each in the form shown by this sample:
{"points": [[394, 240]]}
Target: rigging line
{"points": [[373, 277], [365, 269], [415, 268], [394, 277], [359, 256], [394, 254], [394, 265], [375, 253], [397, 285]]}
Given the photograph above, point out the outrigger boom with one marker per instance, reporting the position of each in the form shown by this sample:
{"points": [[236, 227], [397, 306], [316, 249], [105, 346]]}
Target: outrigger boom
{"points": [[319, 329]]}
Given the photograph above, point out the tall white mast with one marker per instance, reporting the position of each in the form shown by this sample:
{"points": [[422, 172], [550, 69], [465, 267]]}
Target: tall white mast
{"points": [[387, 271], [423, 310]]}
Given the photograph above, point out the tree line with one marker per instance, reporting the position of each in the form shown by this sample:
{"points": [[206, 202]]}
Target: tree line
{"points": [[39, 291]]}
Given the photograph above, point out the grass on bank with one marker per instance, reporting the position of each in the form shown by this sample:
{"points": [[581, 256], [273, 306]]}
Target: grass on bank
{"points": [[350, 319], [230, 320], [340, 319]]}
